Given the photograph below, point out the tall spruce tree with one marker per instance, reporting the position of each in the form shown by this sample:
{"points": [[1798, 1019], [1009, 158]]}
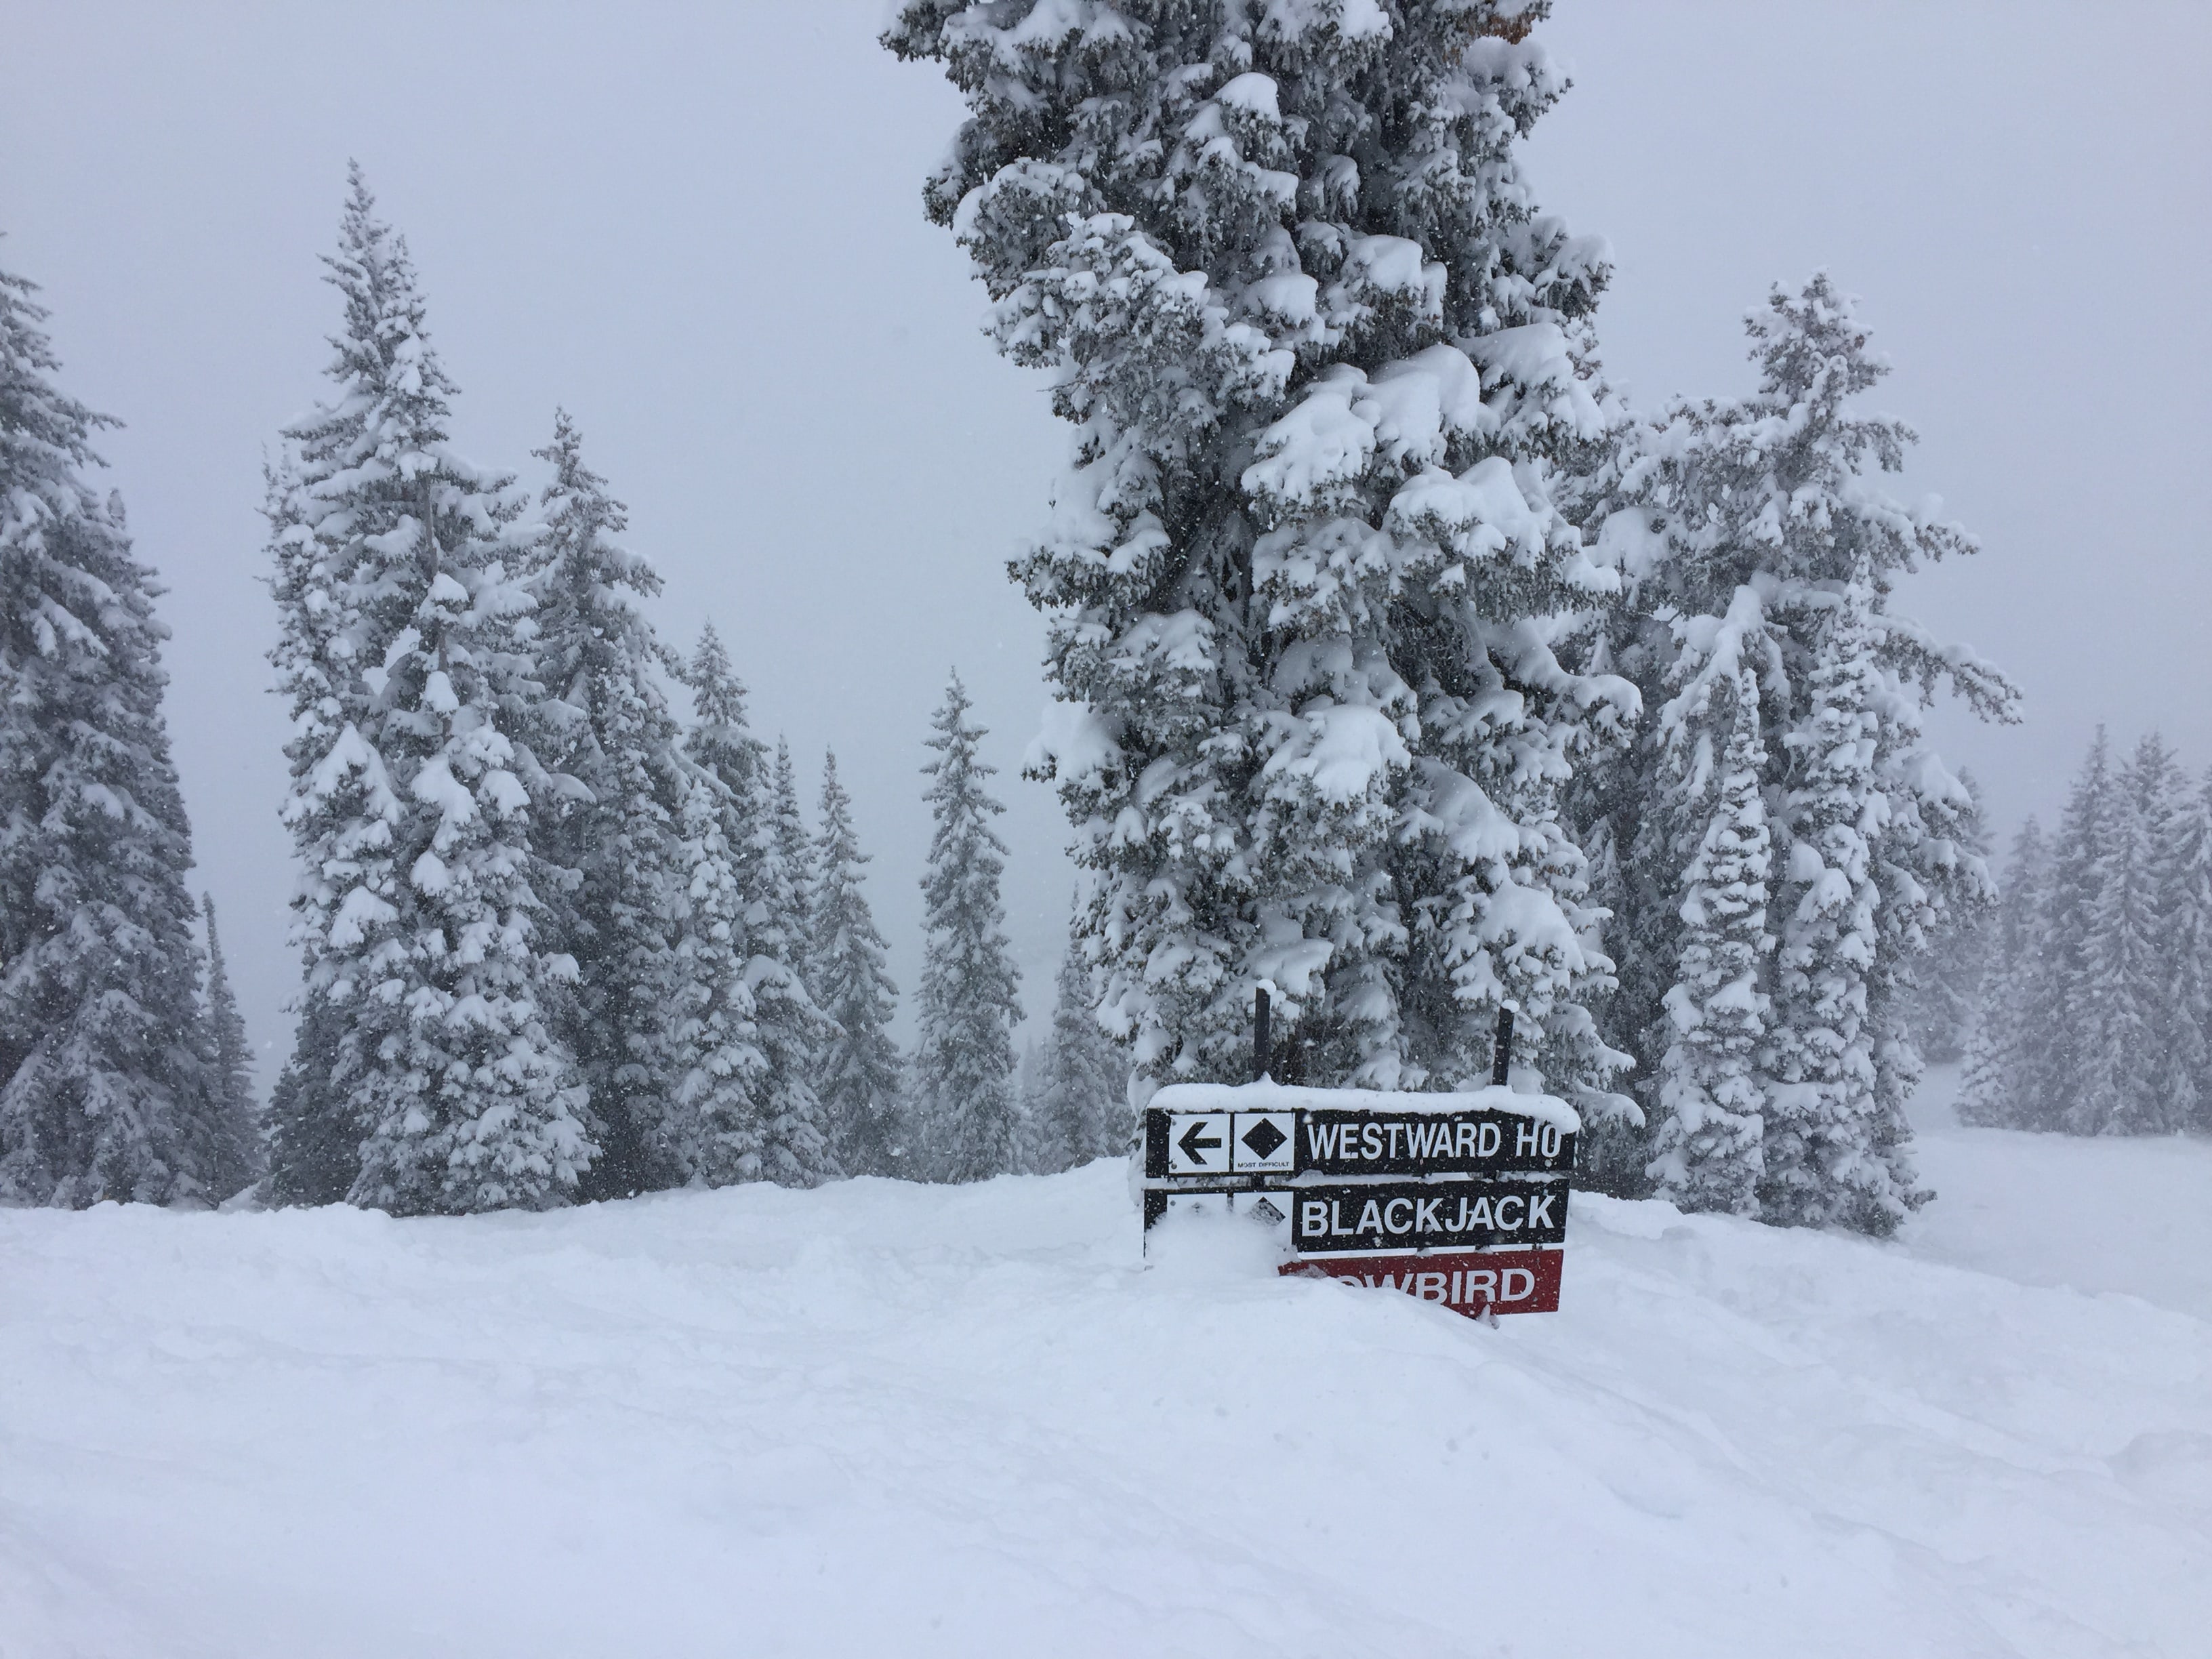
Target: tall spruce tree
{"points": [[724, 1073], [2182, 1078], [2117, 1000], [2080, 851], [402, 652], [1948, 978], [1762, 519], [604, 728], [790, 1142], [2009, 1053], [794, 860], [968, 1005], [1309, 583], [859, 1067], [1078, 1106], [720, 743], [313, 1140], [314, 1133], [1031, 1155], [793, 1032], [1712, 1094], [716, 1128], [1831, 1155], [236, 1129], [108, 1083]]}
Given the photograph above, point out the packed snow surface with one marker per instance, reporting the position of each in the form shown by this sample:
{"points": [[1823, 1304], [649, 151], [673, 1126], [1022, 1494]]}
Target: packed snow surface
{"points": [[881, 1419], [2111, 1213]]}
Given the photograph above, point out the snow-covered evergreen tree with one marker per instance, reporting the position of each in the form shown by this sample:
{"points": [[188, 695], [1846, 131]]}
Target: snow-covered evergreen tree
{"points": [[967, 1006], [108, 1083], [1766, 513], [1712, 1096], [236, 1125], [2182, 1078], [789, 1131], [314, 1135], [715, 1130], [1077, 1105], [1949, 978], [2080, 851], [605, 730], [1306, 584], [796, 1144], [720, 742], [859, 1066], [1827, 1158], [2094, 1015], [404, 652], [2009, 1053], [1031, 1156], [2118, 999], [794, 860], [313, 1138]]}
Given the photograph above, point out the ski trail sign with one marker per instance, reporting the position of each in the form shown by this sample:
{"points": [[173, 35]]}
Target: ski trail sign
{"points": [[1459, 1198], [1467, 1282]]}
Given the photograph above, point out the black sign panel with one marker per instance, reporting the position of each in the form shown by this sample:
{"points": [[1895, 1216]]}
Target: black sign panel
{"points": [[1361, 1143], [1429, 1143], [1405, 1215]]}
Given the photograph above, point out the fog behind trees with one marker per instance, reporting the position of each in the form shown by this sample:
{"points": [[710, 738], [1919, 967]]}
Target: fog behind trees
{"points": [[699, 230]]}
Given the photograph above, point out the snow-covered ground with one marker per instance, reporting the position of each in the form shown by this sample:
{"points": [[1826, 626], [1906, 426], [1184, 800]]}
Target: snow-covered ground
{"points": [[881, 1419], [2129, 1216]]}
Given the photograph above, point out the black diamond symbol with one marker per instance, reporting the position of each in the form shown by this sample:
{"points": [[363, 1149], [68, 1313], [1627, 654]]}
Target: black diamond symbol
{"points": [[1267, 1214], [1263, 1138]]}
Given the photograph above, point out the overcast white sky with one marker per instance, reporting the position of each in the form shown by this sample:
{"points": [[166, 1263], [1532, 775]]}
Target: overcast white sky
{"points": [[698, 227]]}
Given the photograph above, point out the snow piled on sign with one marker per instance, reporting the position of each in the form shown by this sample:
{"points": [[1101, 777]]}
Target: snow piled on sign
{"points": [[886, 1418]]}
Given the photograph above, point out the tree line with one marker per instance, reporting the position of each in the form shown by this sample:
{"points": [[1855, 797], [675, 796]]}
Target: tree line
{"points": [[1401, 668], [115, 1081], [1407, 672], [556, 943], [2096, 997]]}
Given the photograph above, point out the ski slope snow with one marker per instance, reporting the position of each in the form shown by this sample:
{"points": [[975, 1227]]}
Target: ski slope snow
{"points": [[887, 1419], [2111, 1214]]}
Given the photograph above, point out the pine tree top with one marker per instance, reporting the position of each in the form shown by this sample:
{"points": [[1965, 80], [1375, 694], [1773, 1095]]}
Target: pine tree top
{"points": [[384, 351], [957, 765], [839, 842], [45, 435], [584, 518], [794, 850], [721, 737], [786, 787], [1779, 494], [965, 851], [234, 1058], [847, 944], [594, 641]]}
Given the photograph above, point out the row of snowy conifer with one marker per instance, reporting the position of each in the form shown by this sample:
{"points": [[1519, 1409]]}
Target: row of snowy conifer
{"points": [[1405, 669], [1401, 669], [116, 1080], [556, 943], [2095, 1011], [1778, 845]]}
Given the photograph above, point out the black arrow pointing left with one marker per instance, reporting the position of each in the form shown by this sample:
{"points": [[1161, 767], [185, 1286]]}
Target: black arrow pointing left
{"points": [[1196, 1144]]}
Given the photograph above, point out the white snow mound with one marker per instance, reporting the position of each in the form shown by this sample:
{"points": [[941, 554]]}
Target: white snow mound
{"points": [[881, 1419]]}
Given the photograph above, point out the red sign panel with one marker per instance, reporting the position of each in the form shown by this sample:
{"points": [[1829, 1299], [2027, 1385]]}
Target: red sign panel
{"points": [[1466, 1281]]}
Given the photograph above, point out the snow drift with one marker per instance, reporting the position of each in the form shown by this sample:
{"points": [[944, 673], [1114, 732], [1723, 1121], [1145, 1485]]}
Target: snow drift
{"points": [[886, 1418]]}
